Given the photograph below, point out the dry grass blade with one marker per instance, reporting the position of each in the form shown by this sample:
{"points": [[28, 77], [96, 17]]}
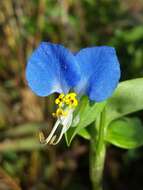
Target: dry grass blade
{"points": [[7, 182]]}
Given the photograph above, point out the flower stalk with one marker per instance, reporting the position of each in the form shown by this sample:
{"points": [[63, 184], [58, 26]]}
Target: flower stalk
{"points": [[97, 156]]}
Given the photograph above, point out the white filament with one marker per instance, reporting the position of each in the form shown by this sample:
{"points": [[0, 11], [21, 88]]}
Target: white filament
{"points": [[46, 141], [66, 122]]}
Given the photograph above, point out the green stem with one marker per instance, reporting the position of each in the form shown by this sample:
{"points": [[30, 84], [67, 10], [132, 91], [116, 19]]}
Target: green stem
{"points": [[97, 156]]}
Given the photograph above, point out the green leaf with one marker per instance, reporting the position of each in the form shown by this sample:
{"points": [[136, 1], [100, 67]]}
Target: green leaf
{"points": [[134, 34], [128, 98], [84, 133], [84, 115], [125, 133]]}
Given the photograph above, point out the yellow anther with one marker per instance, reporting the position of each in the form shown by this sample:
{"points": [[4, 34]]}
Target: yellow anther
{"points": [[61, 96], [73, 102], [65, 102], [60, 100], [70, 95], [60, 112], [41, 137], [57, 101], [54, 114], [70, 99]]}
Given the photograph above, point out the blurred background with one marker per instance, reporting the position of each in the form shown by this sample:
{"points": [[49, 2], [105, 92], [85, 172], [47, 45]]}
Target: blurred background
{"points": [[24, 163]]}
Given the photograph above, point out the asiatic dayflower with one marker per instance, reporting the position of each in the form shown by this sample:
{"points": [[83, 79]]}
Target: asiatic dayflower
{"points": [[92, 71]]}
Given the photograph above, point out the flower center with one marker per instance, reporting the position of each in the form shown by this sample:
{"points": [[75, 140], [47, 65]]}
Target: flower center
{"points": [[64, 114], [65, 103]]}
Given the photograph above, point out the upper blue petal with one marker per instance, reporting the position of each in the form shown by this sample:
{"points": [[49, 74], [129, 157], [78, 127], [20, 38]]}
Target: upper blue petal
{"points": [[100, 72], [52, 68]]}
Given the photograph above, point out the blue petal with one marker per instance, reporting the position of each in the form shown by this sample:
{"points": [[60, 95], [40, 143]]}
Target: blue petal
{"points": [[100, 72], [52, 68]]}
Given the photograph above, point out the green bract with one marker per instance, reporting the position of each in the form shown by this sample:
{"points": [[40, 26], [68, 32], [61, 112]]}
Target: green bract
{"points": [[85, 114]]}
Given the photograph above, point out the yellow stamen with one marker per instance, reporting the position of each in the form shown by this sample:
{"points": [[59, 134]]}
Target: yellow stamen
{"points": [[71, 95], [61, 95], [65, 102], [71, 100], [60, 100], [41, 137], [60, 112]]}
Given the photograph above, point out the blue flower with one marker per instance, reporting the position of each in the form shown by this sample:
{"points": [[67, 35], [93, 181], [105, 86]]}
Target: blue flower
{"points": [[92, 71]]}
